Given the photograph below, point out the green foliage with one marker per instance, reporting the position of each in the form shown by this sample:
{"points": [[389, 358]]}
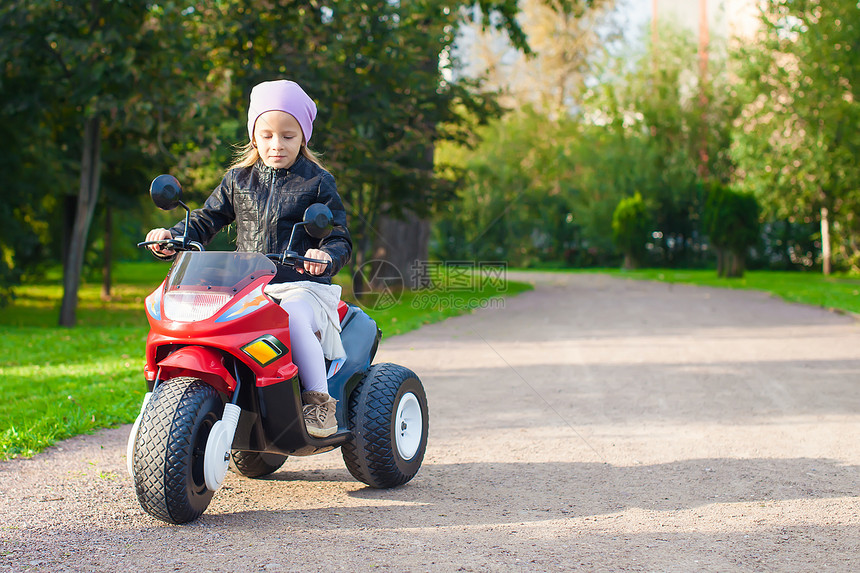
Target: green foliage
{"points": [[374, 70], [666, 130], [534, 188], [169, 82], [518, 195], [732, 223], [37, 304], [786, 132], [631, 229], [731, 218], [564, 38], [64, 64], [797, 141]]}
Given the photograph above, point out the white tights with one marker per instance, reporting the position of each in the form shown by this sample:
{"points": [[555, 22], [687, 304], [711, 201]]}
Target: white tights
{"points": [[306, 348]]}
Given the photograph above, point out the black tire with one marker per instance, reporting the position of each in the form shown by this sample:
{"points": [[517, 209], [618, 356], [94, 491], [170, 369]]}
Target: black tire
{"points": [[170, 446], [374, 455], [255, 464]]}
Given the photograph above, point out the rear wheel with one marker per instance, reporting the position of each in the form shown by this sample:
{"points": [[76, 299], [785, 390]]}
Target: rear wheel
{"points": [[255, 464], [388, 418], [169, 450]]}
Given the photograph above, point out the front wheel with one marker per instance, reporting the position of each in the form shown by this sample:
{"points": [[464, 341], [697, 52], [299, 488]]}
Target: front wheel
{"points": [[388, 418], [170, 449]]}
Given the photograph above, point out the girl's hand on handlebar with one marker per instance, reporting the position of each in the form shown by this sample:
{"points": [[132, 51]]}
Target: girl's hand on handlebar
{"points": [[316, 268], [159, 235]]}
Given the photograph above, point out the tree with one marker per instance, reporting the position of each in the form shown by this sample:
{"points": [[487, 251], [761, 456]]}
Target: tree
{"points": [[641, 129], [24, 208], [519, 179], [517, 193], [85, 71], [118, 89], [732, 223], [665, 139], [374, 70], [631, 229], [797, 143]]}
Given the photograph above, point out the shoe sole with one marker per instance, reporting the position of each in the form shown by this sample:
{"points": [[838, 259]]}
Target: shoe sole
{"points": [[322, 432]]}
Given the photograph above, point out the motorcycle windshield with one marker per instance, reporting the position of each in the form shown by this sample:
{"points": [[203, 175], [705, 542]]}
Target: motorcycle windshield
{"points": [[217, 271]]}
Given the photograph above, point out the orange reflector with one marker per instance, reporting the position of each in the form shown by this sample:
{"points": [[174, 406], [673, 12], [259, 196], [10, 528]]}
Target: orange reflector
{"points": [[265, 349]]}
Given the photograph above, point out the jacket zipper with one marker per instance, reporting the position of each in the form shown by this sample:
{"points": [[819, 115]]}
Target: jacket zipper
{"points": [[266, 214]]}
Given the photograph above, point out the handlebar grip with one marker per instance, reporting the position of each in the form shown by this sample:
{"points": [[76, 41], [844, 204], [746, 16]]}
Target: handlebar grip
{"points": [[175, 244], [310, 260], [288, 258]]}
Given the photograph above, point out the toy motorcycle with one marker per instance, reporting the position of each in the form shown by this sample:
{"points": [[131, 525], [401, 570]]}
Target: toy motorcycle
{"points": [[223, 390]]}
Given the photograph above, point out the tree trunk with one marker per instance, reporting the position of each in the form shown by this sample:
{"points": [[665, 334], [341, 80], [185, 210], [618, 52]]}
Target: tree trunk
{"points": [[108, 253], [404, 244], [629, 263], [70, 205], [721, 262], [736, 264], [825, 241], [87, 197]]}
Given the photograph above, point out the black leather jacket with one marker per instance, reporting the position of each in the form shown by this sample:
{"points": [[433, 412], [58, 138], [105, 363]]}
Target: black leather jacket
{"points": [[265, 203]]}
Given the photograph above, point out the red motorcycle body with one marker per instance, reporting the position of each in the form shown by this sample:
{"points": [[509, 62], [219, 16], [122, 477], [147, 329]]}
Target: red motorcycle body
{"points": [[212, 320]]}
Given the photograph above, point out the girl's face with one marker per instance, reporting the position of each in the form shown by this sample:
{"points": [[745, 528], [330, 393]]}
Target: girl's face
{"points": [[278, 137]]}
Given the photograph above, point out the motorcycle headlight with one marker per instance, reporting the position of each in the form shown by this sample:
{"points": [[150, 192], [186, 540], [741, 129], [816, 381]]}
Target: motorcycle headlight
{"points": [[193, 306]]}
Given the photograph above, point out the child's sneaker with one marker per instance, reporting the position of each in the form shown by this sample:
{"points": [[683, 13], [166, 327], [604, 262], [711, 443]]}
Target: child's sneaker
{"points": [[319, 409]]}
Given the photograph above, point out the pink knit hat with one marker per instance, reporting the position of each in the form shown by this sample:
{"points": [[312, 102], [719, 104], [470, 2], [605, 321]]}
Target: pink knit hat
{"points": [[286, 96]]}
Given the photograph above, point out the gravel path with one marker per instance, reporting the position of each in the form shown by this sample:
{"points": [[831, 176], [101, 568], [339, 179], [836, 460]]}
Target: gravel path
{"points": [[593, 424]]}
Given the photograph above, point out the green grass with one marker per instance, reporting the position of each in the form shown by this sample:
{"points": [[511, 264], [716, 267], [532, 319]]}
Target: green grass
{"points": [[39, 304], [60, 382], [839, 293]]}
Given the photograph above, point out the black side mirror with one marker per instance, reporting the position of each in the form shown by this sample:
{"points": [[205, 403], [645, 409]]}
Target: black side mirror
{"points": [[318, 221], [166, 192]]}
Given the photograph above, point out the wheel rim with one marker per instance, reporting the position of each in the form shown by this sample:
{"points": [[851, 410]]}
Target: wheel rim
{"points": [[408, 426], [197, 483]]}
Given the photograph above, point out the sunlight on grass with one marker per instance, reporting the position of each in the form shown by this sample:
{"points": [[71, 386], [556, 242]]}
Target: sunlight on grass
{"points": [[59, 383]]}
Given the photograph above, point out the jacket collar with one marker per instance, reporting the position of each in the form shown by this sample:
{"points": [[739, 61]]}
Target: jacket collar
{"points": [[267, 173]]}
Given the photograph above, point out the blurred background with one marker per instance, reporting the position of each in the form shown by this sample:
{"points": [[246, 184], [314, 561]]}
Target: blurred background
{"points": [[694, 134]]}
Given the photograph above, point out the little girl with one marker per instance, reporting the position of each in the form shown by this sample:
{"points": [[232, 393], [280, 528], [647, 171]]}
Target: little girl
{"points": [[266, 191]]}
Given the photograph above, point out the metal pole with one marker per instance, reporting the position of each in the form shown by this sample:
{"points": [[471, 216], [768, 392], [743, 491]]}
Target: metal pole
{"points": [[703, 78]]}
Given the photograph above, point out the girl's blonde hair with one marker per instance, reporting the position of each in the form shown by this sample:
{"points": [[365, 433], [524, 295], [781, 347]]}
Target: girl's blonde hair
{"points": [[247, 155]]}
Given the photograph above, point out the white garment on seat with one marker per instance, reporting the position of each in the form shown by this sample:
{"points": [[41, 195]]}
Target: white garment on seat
{"points": [[323, 300]]}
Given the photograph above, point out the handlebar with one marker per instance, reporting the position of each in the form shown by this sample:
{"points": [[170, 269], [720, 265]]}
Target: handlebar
{"points": [[287, 258], [175, 244], [290, 258]]}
